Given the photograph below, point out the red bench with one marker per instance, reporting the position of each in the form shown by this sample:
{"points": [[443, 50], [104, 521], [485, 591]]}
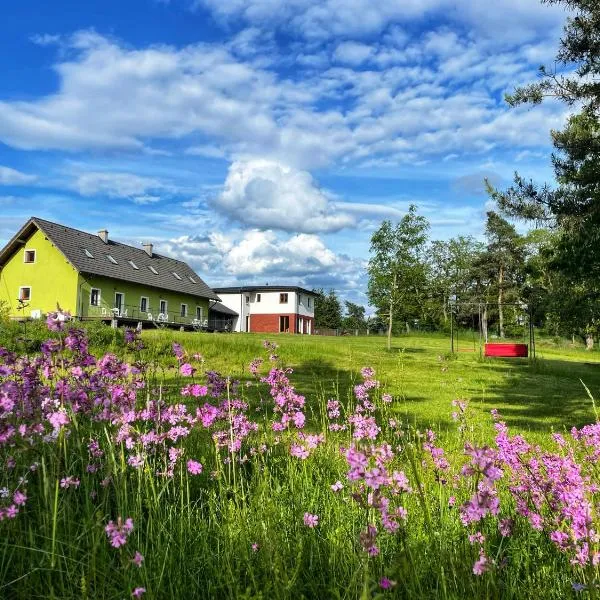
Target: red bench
{"points": [[507, 350]]}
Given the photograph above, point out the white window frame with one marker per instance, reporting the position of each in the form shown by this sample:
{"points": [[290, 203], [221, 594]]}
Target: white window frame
{"points": [[182, 312], [160, 303], [147, 308], [247, 300], [308, 301], [25, 287], [287, 297], [258, 297], [30, 262], [99, 296], [200, 313]]}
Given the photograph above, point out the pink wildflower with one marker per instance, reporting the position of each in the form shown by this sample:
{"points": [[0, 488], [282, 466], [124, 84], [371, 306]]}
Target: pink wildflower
{"points": [[337, 486], [386, 584], [187, 370], [138, 592], [118, 532], [137, 559], [311, 520], [194, 467]]}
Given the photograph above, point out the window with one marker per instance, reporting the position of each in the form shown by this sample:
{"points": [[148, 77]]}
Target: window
{"points": [[258, 297], [163, 307], [88, 253], [199, 313], [308, 301], [29, 256], [133, 265], [192, 279], [183, 310], [153, 269], [143, 304], [247, 299], [283, 298], [176, 275], [94, 297], [112, 260], [25, 293]]}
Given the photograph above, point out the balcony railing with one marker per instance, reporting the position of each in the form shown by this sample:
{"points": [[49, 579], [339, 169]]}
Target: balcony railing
{"points": [[135, 314]]}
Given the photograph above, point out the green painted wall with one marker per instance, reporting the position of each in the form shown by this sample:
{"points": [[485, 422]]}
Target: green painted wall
{"points": [[133, 293], [51, 278]]}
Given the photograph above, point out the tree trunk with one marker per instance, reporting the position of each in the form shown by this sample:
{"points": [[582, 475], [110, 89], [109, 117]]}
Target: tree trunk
{"points": [[589, 341], [444, 311], [484, 324], [500, 300], [391, 316]]}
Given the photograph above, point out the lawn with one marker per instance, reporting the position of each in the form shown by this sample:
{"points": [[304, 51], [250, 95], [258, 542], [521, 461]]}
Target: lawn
{"points": [[137, 474], [532, 397]]}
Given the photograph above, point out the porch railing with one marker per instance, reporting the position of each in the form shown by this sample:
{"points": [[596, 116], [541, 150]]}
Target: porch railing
{"points": [[134, 313]]}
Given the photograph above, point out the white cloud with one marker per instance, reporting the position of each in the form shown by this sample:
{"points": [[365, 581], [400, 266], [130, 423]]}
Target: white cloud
{"points": [[246, 256], [10, 176], [352, 53], [517, 19], [406, 107], [118, 185], [269, 194]]}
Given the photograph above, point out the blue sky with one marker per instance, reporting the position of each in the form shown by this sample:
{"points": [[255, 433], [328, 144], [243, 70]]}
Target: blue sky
{"points": [[265, 140]]}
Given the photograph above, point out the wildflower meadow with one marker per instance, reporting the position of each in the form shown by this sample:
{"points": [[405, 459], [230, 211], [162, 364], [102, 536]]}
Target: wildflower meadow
{"points": [[119, 481]]}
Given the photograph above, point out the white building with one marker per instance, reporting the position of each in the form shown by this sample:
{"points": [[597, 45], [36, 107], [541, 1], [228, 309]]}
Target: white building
{"points": [[270, 308]]}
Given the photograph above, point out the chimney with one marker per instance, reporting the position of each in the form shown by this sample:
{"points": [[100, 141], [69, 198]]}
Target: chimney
{"points": [[147, 246], [103, 235]]}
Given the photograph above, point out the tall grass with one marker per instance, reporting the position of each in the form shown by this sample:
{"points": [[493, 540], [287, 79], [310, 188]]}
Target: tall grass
{"points": [[236, 530]]}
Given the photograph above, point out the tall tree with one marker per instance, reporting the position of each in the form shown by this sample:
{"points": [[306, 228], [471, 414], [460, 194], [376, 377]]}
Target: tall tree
{"points": [[397, 268], [505, 257], [328, 310], [355, 317], [572, 205]]}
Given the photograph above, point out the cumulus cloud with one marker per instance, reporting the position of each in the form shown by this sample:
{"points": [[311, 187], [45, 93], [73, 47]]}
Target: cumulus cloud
{"points": [[118, 185], [255, 255], [269, 194], [352, 53], [10, 176]]}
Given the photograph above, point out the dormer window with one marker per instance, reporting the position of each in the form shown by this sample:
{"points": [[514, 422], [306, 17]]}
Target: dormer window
{"points": [[153, 269], [176, 275], [133, 265], [112, 259], [192, 279], [29, 256], [88, 253]]}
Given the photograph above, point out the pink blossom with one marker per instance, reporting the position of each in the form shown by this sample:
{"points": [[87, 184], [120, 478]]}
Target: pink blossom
{"points": [[138, 592], [194, 467], [311, 520], [337, 486], [187, 370], [137, 559]]}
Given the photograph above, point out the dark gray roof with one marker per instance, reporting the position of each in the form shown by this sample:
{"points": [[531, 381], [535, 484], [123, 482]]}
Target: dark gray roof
{"points": [[263, 288], [221, 308], [73, 244]]}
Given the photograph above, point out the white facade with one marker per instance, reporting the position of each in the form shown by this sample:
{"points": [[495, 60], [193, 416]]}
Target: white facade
{"points": [[269, 302]]}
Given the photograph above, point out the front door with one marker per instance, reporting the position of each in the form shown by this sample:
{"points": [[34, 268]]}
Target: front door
{"points": [[284, 324], [119, 301], [247, 323]]}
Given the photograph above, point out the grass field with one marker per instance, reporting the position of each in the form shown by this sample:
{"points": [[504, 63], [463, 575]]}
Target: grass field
{"points": [[533, 397], [139, 475]]}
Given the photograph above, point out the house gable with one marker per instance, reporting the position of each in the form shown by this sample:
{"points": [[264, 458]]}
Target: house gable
{"points": [[50, 278]]}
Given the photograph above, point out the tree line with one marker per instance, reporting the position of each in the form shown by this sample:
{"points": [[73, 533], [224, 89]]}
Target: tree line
{"points": [[553, 271]]}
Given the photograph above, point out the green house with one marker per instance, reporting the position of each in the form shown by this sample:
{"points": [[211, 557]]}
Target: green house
{"points": [[93, 277]]}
